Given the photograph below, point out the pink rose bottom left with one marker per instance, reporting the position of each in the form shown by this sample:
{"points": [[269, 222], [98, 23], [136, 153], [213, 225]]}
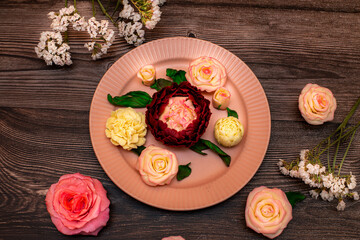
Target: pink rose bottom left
{"points": [[78, 205]]}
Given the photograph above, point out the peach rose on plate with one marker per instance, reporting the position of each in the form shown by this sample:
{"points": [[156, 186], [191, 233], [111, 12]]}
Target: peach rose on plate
{"points": [[147, 75], [221, 98], [173, 238], [317, 104], [78, 205], [206, 73], [268, 211], [157, 166]]}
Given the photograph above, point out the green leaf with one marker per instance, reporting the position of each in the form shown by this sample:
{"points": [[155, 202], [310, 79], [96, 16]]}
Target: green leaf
{"points": [[232, 113], [177, 76], [160, 84], [183, 172], [138, 150], [203, 144], [294, 197], [134, 99]]}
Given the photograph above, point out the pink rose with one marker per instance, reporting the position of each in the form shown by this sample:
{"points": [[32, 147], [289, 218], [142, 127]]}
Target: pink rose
{"points": [[207, 74], [268, 211], [317, 104], [157, 166], [78, 205], [173, 238]]}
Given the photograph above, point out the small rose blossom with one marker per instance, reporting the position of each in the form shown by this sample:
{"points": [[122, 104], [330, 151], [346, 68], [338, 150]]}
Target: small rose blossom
{"points": [[147, 75], [173, 238], [78, 205], [207, 74], [317, 104], [221, 98], [228, 131], [157, 166], [268, 211]]}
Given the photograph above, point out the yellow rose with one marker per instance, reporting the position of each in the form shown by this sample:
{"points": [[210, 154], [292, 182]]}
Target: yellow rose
{"points": [[207, 74], [268, 211], [147, 75], [228, 131], [221, 98], [157, 166], [317, 104], [126, 128]]}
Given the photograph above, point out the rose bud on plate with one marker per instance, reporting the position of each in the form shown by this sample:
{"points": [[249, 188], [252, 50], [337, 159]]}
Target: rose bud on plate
{"points": [[221, 98], [207, 74], [147, 75], [173, 238], [268, 211], [228, 131], [157, 166], [178, 115], [78, 205], [317, 104]]}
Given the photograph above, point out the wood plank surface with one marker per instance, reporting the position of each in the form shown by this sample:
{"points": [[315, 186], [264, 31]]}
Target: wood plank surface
{"points": [[44, 112]]}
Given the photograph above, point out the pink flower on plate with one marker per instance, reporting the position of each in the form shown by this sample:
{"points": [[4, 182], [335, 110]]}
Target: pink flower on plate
{"points": [[221, 98], [317, 104], [173, 238], [207, 74], [78, 205], [268, 211]]}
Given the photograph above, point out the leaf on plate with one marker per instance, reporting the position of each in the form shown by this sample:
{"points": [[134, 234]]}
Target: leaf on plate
{"points": [[134, 99], [294, 197], [183, 172], [232, 113], [160, 84], [177, 76], [138, 150], [203, 144]]}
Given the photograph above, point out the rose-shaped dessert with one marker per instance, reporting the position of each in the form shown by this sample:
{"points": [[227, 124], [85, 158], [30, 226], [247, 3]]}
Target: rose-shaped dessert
{"points": [[78, 205], [126, 128], [228, 131], [157, 166], [268, 211], [173, 238], [221, 98], [147, 75], [317, 104], [206, 73], [178, 115]]}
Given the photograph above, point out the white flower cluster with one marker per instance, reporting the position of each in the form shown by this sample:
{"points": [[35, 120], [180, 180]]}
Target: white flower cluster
{"points": [[52, 49], [155, 18], [132, 30], [67, 15], [329, 186], [101, 37]]}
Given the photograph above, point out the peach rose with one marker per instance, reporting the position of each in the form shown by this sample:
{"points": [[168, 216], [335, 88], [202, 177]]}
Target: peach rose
{"points": [[207, 74], [157, 166], [317, 104], [221, 98], [78, 205], [173, 238], [147, 75], [268, 211]]}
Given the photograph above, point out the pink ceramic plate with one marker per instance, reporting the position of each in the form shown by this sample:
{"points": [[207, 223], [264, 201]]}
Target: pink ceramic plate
{"points": [[211, 181]]}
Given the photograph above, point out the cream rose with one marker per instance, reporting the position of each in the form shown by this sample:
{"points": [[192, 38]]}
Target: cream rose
{"points": [[207, 74], [228, 131], [317, 104], [147, 75], [126, 128], [157, 166], [221, 98], [268, 211]]}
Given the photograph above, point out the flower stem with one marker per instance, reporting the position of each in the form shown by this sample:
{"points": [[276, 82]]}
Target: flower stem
{"points": [[75, 4], [328, 156], [93, 8], [105, 12], [346, 152], [66, 4], [337, 148]]}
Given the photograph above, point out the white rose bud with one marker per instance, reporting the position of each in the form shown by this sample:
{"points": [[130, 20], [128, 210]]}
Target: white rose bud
{"points": [[147, 75], [228, 131]]}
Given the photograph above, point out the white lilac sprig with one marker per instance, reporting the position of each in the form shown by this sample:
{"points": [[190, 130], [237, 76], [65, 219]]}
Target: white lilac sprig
{"points": [[327, 181]]}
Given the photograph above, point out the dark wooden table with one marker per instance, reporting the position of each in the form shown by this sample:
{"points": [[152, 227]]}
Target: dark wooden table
{"points": [[44, 112]]}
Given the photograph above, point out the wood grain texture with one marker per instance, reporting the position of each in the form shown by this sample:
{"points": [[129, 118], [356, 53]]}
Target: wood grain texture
{"points": [[44, 112]]}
